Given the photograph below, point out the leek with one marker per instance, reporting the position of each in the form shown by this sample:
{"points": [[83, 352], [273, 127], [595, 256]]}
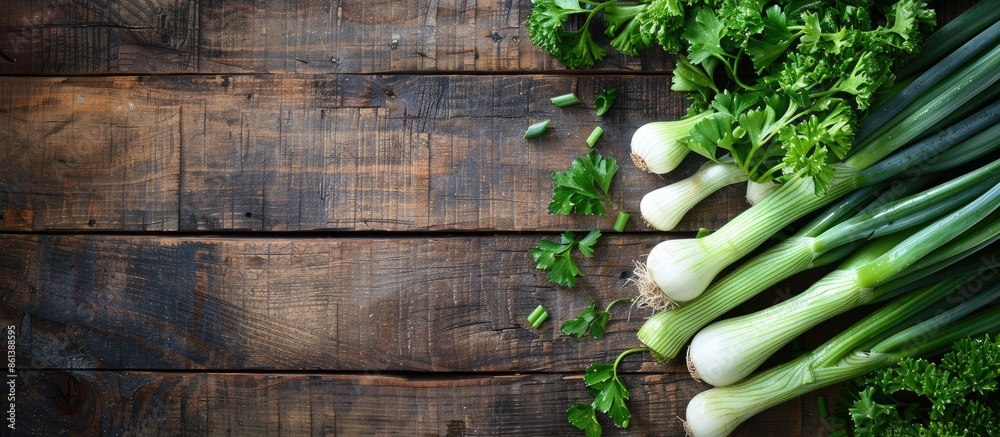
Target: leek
{"points": [[879, 340], [682, 269], [757, 335], [659, 147], [664, 207]]}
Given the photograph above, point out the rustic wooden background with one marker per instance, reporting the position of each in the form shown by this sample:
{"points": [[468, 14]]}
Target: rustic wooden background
{"points": [[287, 217]]}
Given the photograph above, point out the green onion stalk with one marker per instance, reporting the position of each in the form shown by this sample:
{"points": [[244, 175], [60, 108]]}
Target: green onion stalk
{"points": [[664, 207], [826, 239], [658, 147], [726, 351], [679, 270], [886, 336]]}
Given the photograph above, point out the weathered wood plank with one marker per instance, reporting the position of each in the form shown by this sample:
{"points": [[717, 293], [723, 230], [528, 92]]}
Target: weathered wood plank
{"points": [[317, 152], [85, 155], [133, 403], [346, 304], [316, 36]]}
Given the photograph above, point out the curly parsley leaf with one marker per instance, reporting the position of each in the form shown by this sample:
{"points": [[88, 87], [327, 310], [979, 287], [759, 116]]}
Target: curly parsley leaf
{"points": [[556, 258], [957, 396], [583, 188], [548, 28]]}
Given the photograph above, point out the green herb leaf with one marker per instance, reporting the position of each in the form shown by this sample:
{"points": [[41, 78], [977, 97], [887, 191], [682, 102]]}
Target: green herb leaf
{"points": [[577, 326], [704, 33], [583, 188], [611, 400], [584, 417], [598, 373], [556, 258], [954, 397], [586, 244], [619, 411], [599, 323]]}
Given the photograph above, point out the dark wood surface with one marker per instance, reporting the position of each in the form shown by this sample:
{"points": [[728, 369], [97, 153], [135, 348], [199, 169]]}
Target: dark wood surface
{"points": [[226, 217]]}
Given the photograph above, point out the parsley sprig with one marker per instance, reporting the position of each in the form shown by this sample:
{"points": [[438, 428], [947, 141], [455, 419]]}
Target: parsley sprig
{"points": [[610, 394], [583, 188], [591, 319], [557, 260], [958, 396]]}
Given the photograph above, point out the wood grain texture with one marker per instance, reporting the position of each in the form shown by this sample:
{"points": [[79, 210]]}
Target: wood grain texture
{"points": [[292, 153], [285, 36], [83, 155], [435, 304], [154, 404], [405, 304]]}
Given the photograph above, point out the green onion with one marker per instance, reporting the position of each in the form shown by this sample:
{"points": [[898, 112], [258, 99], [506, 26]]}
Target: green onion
{"points": [[604, 100], [538, 316], [926, 81], [821, 404], [565, 100], [884, 337], [760, 334], [658, 147], [536, 130], [621, 221], [664, 207], [683, 269], [594, 136], [815, 244]]}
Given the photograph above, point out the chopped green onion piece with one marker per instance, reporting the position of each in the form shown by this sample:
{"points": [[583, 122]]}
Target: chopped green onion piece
{"points": [[621, 221], [594, 136], [536, 130], [821, 403], [538, 316], [565, 100], [604, 100], [703, 233]]}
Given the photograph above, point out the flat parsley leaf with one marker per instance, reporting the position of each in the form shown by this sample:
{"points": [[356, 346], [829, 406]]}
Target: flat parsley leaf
{"points": [[584, 417], [705, 33], [611, 393], [583, 188], [591, 318], [578, 326], [556, 258]]}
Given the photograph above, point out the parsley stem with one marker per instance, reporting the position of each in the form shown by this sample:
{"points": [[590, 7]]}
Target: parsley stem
{"points": [[625, 354], [607, 309]]}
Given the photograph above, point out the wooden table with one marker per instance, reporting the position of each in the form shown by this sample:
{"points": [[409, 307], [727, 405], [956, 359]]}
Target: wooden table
{"points": [[313, 217]]}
